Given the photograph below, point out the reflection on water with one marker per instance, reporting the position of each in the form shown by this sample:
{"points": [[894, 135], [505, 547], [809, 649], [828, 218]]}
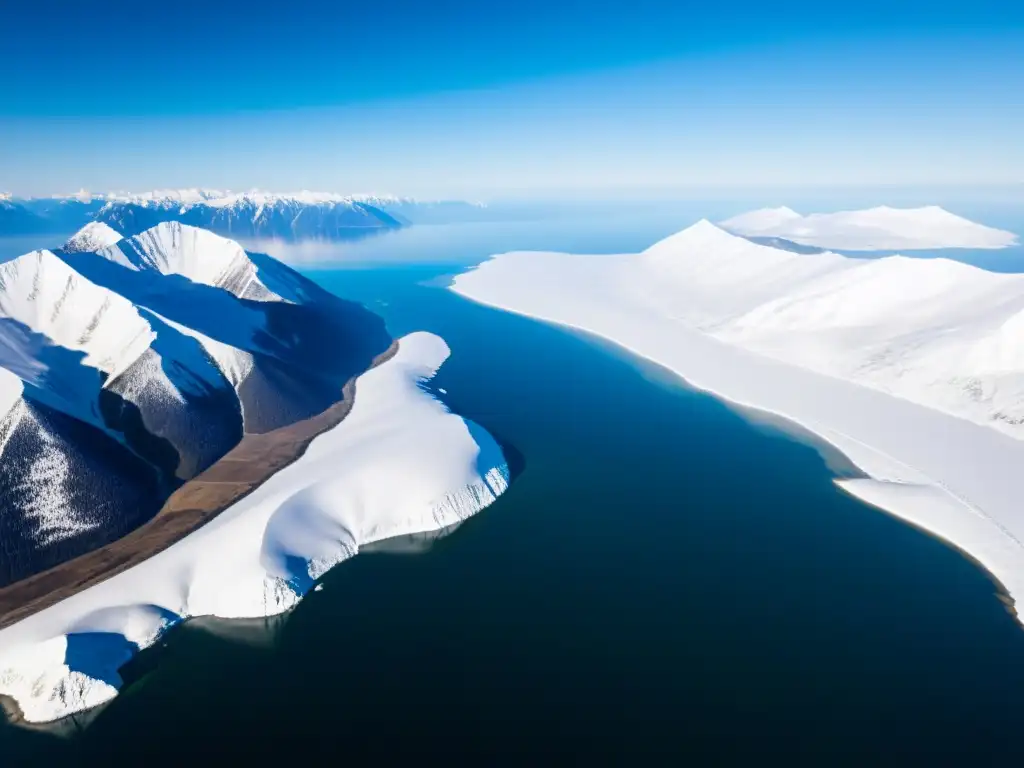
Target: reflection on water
{"points": [[410, 544]]}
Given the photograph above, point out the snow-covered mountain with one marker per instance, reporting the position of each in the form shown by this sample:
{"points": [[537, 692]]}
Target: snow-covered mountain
{"points": [[92, 237], [65, 213], [399, 464], [874, 229], [130, 365], [254, 214], [913, 368], [16, 219], [251, 214]]}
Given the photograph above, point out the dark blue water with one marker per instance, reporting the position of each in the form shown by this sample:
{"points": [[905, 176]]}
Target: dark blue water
{"points": [[663, 582]]}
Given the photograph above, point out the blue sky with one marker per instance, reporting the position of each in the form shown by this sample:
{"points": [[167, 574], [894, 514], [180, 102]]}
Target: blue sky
{"points": [[493, 99]]}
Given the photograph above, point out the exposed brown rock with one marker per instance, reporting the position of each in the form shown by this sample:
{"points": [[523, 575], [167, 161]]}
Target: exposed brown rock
{"points": [[239, 472]]}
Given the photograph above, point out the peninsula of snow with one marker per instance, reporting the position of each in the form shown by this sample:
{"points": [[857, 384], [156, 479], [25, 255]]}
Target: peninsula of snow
{"points": [[400, 463], [874, 229], [913, 368]]}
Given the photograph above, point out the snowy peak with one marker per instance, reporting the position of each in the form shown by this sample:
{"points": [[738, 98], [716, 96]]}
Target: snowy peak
{"points": [[701, 233], [41, 294], [172, 248], [757, 222], [879, 228], [92, 237], [161, 196], [707, 241]]}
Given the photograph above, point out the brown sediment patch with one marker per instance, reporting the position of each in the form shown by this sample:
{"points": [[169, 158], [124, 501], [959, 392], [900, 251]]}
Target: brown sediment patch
{"points": [[238, 473]]}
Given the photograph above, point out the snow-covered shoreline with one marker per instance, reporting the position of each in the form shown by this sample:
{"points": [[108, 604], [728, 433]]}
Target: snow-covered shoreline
{"points": [[400, 463], [947, 475]]}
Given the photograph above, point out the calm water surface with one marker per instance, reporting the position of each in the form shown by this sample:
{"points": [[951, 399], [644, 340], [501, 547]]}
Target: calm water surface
{"points": [[663, 580]]}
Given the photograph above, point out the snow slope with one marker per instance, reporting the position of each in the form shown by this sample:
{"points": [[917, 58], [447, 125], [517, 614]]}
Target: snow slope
{"points": [[172, 248], [92, 237], [914, 368], [10, 400], [880, 228], [41, 294], [399, 463]]}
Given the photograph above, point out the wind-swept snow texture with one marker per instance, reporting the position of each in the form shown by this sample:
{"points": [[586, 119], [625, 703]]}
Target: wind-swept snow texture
{"points": [[875, 229], [914, 368], [400, 463]]}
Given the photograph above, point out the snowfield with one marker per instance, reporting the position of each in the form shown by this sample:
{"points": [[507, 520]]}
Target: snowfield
{"points": [[875, 229], [913, 368], [400, 463]]}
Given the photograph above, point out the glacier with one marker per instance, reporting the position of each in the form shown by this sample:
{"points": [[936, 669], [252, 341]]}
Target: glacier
{"points": [[874, 229], [399, 463], [912, 368]]}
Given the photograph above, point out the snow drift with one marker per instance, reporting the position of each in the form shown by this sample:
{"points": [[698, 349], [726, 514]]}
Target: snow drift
{"points": [[914, 368], [400, 463], [875, 229]]}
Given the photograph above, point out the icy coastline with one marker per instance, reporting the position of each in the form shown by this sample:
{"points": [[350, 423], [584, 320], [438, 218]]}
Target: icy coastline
{"points": [[691, 303], [400, 463]]}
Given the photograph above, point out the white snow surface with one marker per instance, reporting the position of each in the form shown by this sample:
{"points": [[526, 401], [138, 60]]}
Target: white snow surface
{"points": [[41, 293], [913, 368], [172, 248], [92, 237], [874, 229], [400, 463]]}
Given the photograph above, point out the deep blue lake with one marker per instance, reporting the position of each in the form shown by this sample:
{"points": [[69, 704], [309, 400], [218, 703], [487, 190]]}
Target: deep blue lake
{"points": [[664, 581]]}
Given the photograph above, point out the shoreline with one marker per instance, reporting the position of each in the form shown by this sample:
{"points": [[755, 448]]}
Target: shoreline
{"points": [[399, 463], [998, 556], [1002, 593], [242, 470], [838, 463]]}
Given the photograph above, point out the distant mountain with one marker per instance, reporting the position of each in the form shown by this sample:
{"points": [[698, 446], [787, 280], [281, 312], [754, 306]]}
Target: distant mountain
{"points": [[248, 215], [129, 365], [64, 214], [254, 214], [881, 228], [16, 219]]}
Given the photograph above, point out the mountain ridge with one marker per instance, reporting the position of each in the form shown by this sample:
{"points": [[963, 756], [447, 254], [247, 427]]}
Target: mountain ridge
{"points": [[253, 214], [164, 348]]}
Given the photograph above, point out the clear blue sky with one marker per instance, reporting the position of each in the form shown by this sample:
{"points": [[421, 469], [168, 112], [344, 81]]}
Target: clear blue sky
{"points": [[493, 98]]}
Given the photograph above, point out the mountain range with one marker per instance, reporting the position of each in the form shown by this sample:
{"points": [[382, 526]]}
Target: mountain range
{"points": [[254, 214], [130, 365]]}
